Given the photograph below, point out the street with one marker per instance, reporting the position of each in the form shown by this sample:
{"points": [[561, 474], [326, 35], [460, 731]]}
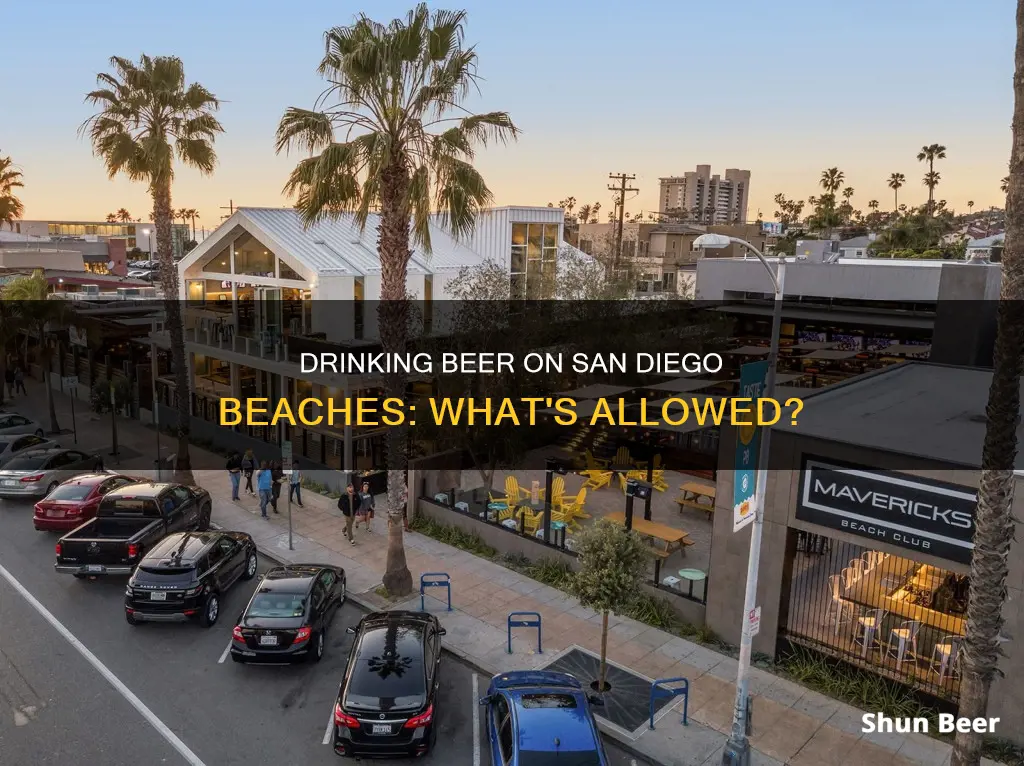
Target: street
{"points": [[82, 684]]}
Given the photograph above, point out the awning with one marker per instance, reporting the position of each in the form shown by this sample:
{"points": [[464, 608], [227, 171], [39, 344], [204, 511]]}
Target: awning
{"points": [[750, 350], [903, 349], [814, 345], [830, 354]]}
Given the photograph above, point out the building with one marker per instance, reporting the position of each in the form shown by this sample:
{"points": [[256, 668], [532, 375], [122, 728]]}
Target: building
{"points": [[134, 234], [868, 527], [707, 198], [856, 247], [986, 247]]}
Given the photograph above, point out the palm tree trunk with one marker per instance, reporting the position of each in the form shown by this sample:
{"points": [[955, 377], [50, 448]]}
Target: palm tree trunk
{"points": [[603, 670], [994, 523], [896, 200], [175, 326], [193, 228], [44, 365], [393, 315]]}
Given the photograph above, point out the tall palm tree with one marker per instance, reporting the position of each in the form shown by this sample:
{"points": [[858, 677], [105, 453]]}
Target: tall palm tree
{"points": [[832, 180], [147, 117], [584, 214], [970, 206], [873, 205], [111, 217], [11, 325], [182, 213], [931, 180], [193, 214], [896, 181], [1004, 184], [929, 154], [30, 297], [11, 208], [397, 139], [124, 216], [994, 522]]}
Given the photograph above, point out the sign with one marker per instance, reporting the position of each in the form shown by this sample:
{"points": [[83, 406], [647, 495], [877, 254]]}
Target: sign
{"points": [[754, 621], [286, 456], [77, 336], [748, 442], [911, 512], [69, 381], [771, 228]]}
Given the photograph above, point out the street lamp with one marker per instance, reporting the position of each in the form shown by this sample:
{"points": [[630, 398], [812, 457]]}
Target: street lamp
{"points": [[737, 749], [149, 242]]}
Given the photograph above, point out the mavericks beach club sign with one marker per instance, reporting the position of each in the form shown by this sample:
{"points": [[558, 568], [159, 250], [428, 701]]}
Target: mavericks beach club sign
{"points": [[923, 515]]}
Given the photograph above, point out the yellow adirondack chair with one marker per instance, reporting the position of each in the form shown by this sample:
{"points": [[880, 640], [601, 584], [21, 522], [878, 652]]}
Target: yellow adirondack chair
{"points": [[622, 456], [531, 520], [597, 479], [593, 464], [514, 492], [557, 490], [507, 513], [574, 507]]}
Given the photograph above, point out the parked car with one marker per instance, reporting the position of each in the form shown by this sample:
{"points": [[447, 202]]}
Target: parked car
{"points": [[37, 472], [129, 522], [541, 717], [186, 575], [12, 445], [13, 423], [288, 616], [76, 500], [387, 703]]}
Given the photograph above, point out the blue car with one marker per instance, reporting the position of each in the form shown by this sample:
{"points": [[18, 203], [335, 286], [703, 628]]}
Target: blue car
{"points": [[540, 718]]}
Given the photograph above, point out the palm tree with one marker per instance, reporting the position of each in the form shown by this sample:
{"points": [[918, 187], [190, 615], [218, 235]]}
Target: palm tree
{"points": [[11, 208], [148, 115], [193, 214], [397, 139], [832, 180], [1004, 184], [896, 181], [594, 210], [111, 217], [994, 522], [124, 216], [970, 206], [584, 214], [929, 154], [182, 213], [873, 205], [10, 327], [30, 297], [931, 180], [848, 193]]}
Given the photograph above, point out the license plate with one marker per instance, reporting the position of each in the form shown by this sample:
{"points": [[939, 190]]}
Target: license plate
{"points": [[9, 483], [54, 513], [382, 728], [94, 568], [154, 596], [268, 640]]}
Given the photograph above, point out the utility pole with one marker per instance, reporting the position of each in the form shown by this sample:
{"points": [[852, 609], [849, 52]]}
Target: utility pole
{"points": [[620, 189], [230, 207]]}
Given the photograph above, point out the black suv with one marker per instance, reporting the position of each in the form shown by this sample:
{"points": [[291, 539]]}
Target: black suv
{"points": [[387, 703], [185, 576]]}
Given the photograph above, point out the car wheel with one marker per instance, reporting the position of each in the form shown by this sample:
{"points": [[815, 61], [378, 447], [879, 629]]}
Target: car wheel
{"points": [[211, 611], [39, 432], [318, 647], [129, 618], [204, 518], [250, 567], [53, 486]]}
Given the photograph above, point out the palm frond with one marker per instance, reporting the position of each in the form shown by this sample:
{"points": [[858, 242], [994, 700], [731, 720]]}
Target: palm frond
{"points": [[311, 131]]}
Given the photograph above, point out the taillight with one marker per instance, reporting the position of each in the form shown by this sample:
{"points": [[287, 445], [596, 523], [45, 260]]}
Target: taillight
{"points": [[195, 591], [58, 549], [302, 635], [33, 477], [421, 720], [236, 634], [73, 511], [341, 719], [133, 550]]}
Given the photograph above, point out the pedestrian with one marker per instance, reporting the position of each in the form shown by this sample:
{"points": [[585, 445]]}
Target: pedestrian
{"points": [[9, 380], [264, 482], [366, 505], [348, 504], [19, 381], [234, 467], [295, 484], [248, 466], [277, 477]]}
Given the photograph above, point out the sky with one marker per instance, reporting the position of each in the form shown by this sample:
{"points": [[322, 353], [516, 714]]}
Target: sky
{"points": [[649, 88]]}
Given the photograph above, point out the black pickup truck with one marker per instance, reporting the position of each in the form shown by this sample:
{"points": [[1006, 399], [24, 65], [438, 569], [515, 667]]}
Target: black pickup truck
{"points": [[129, 521]]}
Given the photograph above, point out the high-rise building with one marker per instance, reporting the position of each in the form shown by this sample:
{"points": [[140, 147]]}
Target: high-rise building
{"points": [[701, 197]]}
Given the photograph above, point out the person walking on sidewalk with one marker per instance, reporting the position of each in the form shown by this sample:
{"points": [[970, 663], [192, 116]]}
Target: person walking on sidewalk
{"points": [[9, 380], [366, 505], [234, 467], [295, 484], [19, 381], [248, 466], [348, 504], [265, 483], [277, 477]]}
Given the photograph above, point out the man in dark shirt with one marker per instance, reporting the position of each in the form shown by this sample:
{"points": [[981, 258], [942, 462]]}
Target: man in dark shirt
{"points": [[234, 468], [349, 504]]}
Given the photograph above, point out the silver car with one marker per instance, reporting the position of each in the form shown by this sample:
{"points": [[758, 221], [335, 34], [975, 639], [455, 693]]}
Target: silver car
{"points": [[12, 423], [15, 444], [38, 472]]}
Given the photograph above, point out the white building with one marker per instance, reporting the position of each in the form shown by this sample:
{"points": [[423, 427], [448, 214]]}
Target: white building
{"points": [[982, 248]]}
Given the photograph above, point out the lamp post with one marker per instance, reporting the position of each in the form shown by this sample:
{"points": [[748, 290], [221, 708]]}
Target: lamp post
{"points": [[149, 243], [737, 748]]}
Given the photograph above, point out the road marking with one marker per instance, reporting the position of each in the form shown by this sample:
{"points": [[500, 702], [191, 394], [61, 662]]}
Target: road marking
{"points": [[224, 654], [330, 729], [476, 720], [104, 671]]}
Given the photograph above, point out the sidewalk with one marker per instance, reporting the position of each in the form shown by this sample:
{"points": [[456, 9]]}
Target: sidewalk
{"points": [[793, 725]]}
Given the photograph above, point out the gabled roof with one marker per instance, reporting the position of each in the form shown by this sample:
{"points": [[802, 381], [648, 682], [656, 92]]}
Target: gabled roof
{"points": [[855, 242], [988, 241]]}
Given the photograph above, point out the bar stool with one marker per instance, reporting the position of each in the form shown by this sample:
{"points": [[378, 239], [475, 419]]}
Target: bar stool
{"points": [[946, 655], [867, 632], [857, 568], [839, 604], [906, 636], [849, 577]]}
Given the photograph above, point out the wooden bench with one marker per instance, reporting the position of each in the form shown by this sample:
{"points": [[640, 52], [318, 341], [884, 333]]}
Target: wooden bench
{"points": [[703, 507], [661, 553]]}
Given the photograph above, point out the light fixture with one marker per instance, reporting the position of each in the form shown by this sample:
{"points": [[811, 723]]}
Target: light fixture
{"points": [[712, 241]]}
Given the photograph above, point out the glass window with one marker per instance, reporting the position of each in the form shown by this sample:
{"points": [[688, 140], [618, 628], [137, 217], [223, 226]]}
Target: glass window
{"points": [[268, 604], [535, 241], [214, 557], [551, 235], [70, 492], [519, 234], [253, 258], [518, 259], [287, 272], [388, 665], [518, 286], [220, 263]]}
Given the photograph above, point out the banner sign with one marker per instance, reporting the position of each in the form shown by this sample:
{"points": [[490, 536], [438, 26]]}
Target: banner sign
{"points": [[748, 442]]}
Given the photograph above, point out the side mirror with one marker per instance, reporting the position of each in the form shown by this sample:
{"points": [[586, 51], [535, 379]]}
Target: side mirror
{"points": [[485, 701], [350, 629], [442, 632], [594, 700]]}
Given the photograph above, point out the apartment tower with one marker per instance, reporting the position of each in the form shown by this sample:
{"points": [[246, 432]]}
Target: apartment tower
{"points": [[706, 198]]}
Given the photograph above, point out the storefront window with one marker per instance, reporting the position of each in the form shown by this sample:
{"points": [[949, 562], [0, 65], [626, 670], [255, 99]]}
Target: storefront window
{"points": [[287, 272], [533, 261], [252, 258], [220, 263]]}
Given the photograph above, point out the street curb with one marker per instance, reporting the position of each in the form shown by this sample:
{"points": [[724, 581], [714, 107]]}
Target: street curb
{"points": [[624, 743]]}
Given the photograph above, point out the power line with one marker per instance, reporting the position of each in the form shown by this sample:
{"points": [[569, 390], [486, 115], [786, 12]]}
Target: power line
{"points": [[620, 189], [230, 207]]}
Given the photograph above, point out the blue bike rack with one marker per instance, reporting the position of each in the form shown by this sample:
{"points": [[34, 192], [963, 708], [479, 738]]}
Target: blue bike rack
{"points": [[659, 690], [435, 582], [524, 620]]}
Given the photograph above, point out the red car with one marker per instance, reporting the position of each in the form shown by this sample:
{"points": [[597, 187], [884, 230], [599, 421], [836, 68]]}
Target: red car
{"points": [[75, 501]]}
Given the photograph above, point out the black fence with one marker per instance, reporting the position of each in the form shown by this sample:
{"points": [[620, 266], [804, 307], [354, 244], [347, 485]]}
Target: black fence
{"points": [[891, 615]]}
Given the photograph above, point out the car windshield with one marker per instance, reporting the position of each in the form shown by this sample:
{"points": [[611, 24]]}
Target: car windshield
{"points": [[70, 492], [388, 670], [29, 463], [563, 758], [269, 604]]}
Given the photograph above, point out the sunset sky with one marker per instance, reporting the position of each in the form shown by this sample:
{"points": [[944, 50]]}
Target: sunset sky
{"points": [[652, 88]]}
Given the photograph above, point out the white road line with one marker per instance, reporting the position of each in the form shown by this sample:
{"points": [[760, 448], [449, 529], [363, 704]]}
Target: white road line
{"points": [[329, 734], [224, 654], [476, 720], [104, 671]]}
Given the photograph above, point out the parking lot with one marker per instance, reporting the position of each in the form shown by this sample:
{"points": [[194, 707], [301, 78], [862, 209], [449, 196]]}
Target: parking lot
{"points": [[83, 686]]}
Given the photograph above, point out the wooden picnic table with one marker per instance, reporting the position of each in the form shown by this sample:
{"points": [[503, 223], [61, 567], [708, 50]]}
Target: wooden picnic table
{"points": [[693, 492], [674, 539]]}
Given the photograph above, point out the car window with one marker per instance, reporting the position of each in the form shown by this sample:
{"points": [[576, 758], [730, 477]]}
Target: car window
{"points": [[328, 578], [226, 545], [77, 457], [214, 556], [388, 664], [70, 492], [180, 495], [106, 486], [120, 481], [26, 463], [6, 421], [503, 723], [18, 420], [25, 442], [61, 459], [268, 604]]}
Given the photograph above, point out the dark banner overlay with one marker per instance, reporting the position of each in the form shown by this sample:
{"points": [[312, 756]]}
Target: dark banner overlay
{"points": [[477, 384]]}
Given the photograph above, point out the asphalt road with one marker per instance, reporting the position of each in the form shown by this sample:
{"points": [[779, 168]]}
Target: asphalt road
{"points": [[173, 682]]}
